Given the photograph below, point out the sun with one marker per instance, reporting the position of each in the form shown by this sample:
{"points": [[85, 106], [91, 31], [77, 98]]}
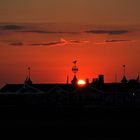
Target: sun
{"points": [[81, 82]]}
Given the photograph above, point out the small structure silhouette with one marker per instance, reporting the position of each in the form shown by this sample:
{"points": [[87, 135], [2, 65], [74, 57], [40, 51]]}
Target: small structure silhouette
{"points": [[124, 79], [28, 80], [74, 70]]}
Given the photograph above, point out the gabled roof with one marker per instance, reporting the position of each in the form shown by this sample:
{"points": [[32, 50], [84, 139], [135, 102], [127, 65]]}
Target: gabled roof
{"points": [[87, 90], [29, 89], [40, 88], [11, 88], [44, 88], [56, 89]]}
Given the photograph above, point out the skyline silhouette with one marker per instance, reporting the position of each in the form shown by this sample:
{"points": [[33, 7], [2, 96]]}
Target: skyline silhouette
{"points": [[75, 71], [70, 67]]}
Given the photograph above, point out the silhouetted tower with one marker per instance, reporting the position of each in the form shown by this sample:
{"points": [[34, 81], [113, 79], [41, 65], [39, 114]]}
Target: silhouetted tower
{"points": [[28, 80], [101, 79], [87, 81], [124, 79], [74, 70]]}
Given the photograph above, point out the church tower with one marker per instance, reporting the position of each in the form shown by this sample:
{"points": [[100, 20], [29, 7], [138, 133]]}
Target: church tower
{"points": [[74, 70], [28, 80], [124, 79]]}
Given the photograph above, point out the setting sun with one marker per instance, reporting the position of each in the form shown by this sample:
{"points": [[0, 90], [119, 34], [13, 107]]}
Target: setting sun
{"points": [[81, 82]]}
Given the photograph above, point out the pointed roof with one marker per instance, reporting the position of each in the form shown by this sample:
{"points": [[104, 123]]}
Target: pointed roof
{"points": [[74, 80], [28, 81], [57, 89], [124, 80]]}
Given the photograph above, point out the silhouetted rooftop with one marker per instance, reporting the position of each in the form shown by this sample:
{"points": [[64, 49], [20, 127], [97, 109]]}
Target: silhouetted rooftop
{"points": [[44, 88], [34, 87]]}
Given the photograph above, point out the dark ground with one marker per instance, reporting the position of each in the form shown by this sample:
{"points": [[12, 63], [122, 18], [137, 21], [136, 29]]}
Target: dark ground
{"points": [[73, 121]]}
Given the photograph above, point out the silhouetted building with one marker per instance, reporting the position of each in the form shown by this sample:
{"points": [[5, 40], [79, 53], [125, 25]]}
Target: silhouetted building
{"points": [[124, 79], [95, 81], [98, 90], [74, 80], [134, 81], [74, 70], [87, 81], [28, 81], [98, 82], [101, 79]]}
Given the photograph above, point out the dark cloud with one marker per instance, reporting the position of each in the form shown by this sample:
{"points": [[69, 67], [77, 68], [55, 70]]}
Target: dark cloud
{"points": [[11, 27], [61, 42], [75, 41], [46, 44], [13, 42], [47, 32], [31, 29], [16, 43], [113, 40], [110, 32], [78, 42]]}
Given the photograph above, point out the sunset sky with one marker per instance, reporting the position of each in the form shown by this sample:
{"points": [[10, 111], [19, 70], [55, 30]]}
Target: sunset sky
{"points": [[47, 35]]}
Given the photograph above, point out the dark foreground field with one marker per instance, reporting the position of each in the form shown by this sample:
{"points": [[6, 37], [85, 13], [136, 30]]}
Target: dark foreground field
{"points": [[71, 121]]}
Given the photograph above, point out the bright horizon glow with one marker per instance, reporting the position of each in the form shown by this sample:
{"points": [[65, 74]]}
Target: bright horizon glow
{"points": [[81, 82]]}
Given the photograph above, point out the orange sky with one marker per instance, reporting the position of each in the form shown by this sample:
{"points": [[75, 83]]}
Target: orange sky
{"points": [[49, 49], [102, 35]]}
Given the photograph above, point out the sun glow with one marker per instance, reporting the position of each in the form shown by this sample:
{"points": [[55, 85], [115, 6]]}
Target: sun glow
{"points": [[81, 82]]}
